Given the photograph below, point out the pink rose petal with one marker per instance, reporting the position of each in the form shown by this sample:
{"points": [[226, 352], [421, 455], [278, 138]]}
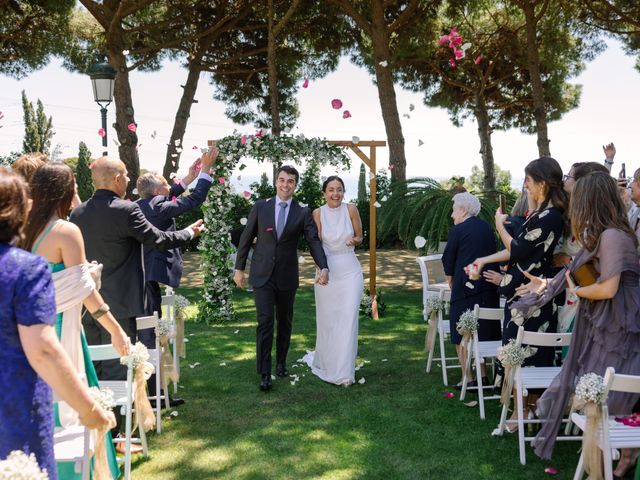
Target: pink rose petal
{"points": [[198, 167], [478, 59], [458, 53], [551, 471], [443, 40], [243, 140], [305, 84], [132, 127], [194, 147], [336, 103], [259, 133], [246, 194], [452, 62], [449, 394], [346, 114], [102, 132], [221, 180]]}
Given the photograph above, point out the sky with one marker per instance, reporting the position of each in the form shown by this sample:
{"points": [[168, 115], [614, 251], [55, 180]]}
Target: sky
{"points": [[608, 112]]}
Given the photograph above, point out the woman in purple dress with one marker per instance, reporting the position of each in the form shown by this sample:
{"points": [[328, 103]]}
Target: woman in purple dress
{"points": [[29, 349]]}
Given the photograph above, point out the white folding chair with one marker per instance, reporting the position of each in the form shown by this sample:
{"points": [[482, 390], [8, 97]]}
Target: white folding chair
{"points": [[155, 358], [442, 331], [526, 378], [124, 396], [169, 304], [611, 435], [72, 444], [481, 352]]}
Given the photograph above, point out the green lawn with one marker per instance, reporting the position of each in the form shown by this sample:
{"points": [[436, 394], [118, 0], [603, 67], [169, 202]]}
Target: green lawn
{"points": [[396, 425]]}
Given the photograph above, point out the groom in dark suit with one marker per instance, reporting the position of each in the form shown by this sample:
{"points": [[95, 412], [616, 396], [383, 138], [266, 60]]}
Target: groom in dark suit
{"points": [[278, 223]]}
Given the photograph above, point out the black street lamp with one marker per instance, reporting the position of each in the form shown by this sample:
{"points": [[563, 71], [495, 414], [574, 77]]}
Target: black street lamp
{"points": [[103, 77]]}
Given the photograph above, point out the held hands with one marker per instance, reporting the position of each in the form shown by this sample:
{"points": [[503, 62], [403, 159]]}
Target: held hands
{"points": [[238, 278], [353, 241], [98, 418], [537, 285], [197, 228], [121, 342], [322, 276]]}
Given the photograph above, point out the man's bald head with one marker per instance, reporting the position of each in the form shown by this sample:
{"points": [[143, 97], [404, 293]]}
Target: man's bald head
{"points": [[110, 174]]}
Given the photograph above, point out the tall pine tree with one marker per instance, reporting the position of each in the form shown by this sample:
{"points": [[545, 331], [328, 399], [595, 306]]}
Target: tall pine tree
{"points": [[83, 173], [38, 129]]}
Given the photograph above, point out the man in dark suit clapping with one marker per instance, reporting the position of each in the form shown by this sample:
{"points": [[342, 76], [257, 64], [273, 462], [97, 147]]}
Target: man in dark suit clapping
{"points": [[114, 231], [278, 223]]}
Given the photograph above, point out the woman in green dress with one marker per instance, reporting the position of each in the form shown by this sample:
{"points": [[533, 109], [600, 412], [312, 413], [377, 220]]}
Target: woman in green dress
{"points": [[60, 242]]}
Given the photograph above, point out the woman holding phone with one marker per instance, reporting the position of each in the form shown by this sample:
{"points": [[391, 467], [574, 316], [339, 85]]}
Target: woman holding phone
{"points": [[607, 328]]}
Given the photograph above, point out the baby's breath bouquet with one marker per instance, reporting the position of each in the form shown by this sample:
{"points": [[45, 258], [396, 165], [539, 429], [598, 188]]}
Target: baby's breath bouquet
{"points": [[20, 466], [589, 395], [103, 397], [434, 305], [139, 353], [181, 304], [511, 354], [165, 327], [590, 388], [467, 324]]}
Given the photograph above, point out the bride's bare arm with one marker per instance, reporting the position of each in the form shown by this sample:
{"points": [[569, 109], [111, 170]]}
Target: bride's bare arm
{"points": [[354, 214]]}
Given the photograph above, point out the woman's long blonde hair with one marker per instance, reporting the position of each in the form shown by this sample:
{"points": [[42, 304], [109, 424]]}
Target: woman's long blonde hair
{"points": [[596, 205]]}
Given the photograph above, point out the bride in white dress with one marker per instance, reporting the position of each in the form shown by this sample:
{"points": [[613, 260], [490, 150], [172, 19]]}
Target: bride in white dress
{"points": [[338, 302]]}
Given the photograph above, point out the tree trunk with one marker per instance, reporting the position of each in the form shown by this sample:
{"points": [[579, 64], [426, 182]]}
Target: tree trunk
{"points": [[272, 66], [387, 93], [124, 117], [486, 150], [537, 90], [172, 160]]}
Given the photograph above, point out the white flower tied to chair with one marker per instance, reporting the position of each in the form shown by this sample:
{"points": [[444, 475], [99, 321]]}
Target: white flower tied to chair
{"points": [[103, 398], [589, 396], [180, 306], [435, 305], [511, 356], [165, 330], [467, 325], [20, 466], [142, 371]]}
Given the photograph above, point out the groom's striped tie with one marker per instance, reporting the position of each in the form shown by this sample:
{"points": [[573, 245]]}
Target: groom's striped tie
{"points": [[281, 218]]}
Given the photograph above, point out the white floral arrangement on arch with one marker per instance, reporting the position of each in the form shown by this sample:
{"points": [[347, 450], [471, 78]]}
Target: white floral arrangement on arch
{"points": [[467, 324], [511, 354], [20, 466], [590, 388], [139, 353], [215, 243]]}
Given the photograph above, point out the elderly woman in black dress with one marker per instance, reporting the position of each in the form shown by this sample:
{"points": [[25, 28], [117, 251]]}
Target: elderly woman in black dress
{"points": [[469, 238]]}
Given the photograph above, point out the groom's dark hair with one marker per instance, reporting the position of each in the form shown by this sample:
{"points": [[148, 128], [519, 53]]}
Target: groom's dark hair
{"points": [[290, 170]]}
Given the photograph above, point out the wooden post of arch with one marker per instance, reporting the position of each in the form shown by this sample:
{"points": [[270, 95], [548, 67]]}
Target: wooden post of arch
{"points": [[370, 162]]}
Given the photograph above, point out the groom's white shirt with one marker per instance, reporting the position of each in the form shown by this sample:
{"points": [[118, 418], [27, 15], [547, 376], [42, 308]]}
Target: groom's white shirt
{"points": [[279, 208]]}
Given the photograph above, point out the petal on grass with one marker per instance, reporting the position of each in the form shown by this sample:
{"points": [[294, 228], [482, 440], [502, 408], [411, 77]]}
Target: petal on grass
{"points": [[471, 404], [550, 471], [449, 394], [362, 381]]}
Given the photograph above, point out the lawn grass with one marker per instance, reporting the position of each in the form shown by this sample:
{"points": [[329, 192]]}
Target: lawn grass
{"points": [[396, 425]]}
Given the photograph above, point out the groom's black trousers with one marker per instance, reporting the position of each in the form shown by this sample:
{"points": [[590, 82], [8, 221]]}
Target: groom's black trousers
{"points": [[268, 298]]}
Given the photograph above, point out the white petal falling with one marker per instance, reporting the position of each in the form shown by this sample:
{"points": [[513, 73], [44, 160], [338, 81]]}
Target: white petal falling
{"points": [[355, 140], [243, 221], [383, 63], [420, 241], [377, 205]]}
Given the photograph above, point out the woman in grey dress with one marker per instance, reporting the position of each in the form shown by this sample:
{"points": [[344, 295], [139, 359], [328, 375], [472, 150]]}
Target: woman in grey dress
{"points": [[607, 327]]}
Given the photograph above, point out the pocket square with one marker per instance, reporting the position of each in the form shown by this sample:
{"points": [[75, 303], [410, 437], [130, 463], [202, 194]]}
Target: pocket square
{"points": [[269, 229]]}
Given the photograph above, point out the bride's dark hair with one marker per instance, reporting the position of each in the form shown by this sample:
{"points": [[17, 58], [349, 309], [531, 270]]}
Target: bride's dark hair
{"points": [[331, 179]]}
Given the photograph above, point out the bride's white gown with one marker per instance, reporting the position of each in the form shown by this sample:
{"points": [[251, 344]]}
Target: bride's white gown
{"points": [[338, 303]]}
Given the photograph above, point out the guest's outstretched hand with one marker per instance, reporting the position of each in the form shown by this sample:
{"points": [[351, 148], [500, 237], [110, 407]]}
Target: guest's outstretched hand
{"points": [[209, 158], [537, 285], [609, 151], [197, 228]]}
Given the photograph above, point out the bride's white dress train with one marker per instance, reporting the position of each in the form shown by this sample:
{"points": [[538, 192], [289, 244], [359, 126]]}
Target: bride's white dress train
{"points": [[338, 302]]}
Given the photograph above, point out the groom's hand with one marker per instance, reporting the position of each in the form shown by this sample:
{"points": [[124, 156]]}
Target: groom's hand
{"points": [[323, 278], [238, 278]]}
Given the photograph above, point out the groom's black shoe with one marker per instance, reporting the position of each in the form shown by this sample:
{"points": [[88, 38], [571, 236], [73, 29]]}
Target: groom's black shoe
{"points": [[265, 383], [281, 370]]}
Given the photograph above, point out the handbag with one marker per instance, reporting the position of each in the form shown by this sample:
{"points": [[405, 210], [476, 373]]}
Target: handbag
{"points": [[585, 275]]}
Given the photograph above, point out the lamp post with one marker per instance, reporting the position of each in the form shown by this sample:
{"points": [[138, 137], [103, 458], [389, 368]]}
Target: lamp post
{"points": [[103, 77]]}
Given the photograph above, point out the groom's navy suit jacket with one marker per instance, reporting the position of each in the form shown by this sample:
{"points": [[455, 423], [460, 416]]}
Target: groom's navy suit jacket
{"points": [[275, 257]]}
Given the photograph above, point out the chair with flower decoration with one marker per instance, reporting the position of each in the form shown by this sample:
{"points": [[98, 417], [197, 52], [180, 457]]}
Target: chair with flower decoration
{"points": [[612, 435], [528, 378], [480, 352], [169, 305]]}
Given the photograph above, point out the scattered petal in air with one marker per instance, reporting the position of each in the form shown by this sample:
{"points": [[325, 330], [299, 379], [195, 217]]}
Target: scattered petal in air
{"points": [[132, 127], [361, 381], [471, 404], [153, 135], [246, 194], [406, 115], [384, 199], [243, 140], [420, 143], [449, 394], [466, 46], [221, 180], [336, 104], [243, 221], [355, 140], [383, 63], [1, 115], [134, 191], [195, 147], [300, 259], [125, 52], [377, 205], [237, 331], [305, 84], [346, 114], [550, 471], [102, 132], [172, 175], [174, 155], [177, 142], [420, 241], [239, 177], [411, 107], [259, 133], [478, 59]]}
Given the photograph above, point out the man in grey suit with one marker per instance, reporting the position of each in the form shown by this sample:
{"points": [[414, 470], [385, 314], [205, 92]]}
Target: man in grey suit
{"points": [[114, 231], [278, 223]]}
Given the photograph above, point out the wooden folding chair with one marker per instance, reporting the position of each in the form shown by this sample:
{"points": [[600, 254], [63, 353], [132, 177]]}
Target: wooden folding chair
{"points": [[155, 358], [123, 394], [481, 352], [527, 378], [612, 435]]}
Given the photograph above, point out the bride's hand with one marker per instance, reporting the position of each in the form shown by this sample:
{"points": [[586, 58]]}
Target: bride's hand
{"points": [[353, 241], [537, 285]]}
